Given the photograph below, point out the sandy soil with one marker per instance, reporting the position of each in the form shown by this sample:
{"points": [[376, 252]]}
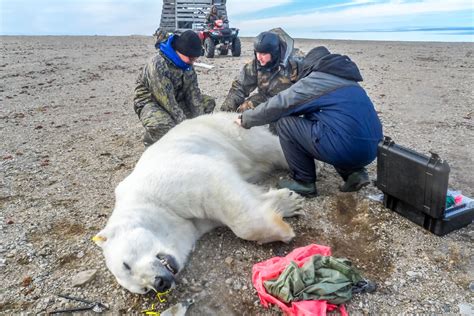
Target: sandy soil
{"points": [[68, 135]]}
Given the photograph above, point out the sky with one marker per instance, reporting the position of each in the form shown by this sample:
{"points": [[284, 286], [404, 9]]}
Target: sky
{"points": [[406, 20]]}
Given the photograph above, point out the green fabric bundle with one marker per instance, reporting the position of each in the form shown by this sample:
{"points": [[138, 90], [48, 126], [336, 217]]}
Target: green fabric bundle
{"points": [[321, 278], [450, 201]]}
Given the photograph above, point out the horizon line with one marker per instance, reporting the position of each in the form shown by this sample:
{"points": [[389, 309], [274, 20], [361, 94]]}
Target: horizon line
{"points": [[402, 30], [296, 38]]}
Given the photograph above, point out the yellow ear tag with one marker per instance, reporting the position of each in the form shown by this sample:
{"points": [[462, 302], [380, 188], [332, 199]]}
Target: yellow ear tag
{"points": [[98, 238], [160, 294], [152, 310]]}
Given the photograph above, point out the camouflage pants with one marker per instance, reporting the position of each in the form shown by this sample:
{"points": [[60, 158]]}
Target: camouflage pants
{"points": [[158, 122]]}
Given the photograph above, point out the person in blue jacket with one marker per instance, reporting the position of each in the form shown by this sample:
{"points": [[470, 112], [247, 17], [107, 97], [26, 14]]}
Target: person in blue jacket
{"points": [[326, 116]]}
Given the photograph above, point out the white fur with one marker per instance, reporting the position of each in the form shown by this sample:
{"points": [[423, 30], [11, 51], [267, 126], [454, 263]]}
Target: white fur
{"points": [[195, 178]]}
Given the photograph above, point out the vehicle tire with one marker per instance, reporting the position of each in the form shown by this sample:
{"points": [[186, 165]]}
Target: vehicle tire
{"points": [[236, 48], [209, 47]]}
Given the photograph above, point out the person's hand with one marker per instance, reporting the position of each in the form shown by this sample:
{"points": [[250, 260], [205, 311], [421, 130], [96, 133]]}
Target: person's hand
{"points": [[238, 120], [247, 105]]}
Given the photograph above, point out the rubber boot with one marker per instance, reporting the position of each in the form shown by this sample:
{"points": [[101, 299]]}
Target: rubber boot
{"points": [[302, 188], [355, 181]]}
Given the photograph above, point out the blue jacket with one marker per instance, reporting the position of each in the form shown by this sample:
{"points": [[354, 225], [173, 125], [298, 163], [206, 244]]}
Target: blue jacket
{"points": [[346, 128]]}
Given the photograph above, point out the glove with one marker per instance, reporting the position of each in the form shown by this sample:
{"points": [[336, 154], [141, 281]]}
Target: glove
{"points": [[247, 105]]}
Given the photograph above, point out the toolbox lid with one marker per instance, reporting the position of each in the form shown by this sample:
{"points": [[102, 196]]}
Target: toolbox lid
{"points": [[412, 177]]}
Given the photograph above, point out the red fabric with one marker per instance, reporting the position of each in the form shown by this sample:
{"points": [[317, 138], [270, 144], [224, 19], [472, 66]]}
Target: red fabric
{"points": [[273, 267]]}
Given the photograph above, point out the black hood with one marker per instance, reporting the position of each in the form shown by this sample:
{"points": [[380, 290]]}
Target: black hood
{"points": [[320, 59], [285, 49], [267, 42]]}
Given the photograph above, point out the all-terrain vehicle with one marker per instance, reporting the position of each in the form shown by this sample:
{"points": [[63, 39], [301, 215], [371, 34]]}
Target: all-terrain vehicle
{"points": [[220, 37]]}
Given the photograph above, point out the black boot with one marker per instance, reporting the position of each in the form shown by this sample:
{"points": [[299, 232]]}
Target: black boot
{"points": [[302, 188], [355, 181]]}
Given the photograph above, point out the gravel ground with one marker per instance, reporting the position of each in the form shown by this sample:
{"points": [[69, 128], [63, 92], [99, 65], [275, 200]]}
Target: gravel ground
{"points": [[69, 136]]}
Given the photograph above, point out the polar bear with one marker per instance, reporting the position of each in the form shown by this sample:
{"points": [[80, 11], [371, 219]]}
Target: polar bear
{"points": [[195, 178]]}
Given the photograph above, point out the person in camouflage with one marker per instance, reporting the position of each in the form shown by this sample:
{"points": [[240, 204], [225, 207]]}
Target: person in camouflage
{"points": [[274, 69], [167, 90]]}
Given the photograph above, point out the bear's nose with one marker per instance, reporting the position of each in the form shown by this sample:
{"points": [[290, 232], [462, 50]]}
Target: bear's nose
{"points": [[162, 284]]}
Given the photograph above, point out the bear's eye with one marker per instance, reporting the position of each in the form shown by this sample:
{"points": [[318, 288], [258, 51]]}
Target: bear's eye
{"points": [[127, 266]]}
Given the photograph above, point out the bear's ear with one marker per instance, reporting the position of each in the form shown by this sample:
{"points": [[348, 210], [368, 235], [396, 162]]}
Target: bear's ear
{"points": [[100, 238]]}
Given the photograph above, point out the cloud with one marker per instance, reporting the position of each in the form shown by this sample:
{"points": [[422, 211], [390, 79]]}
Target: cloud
{"points": [[81, 17], [235, 7], [356, 16], [348, 4], [118, 17], [125, 17]]}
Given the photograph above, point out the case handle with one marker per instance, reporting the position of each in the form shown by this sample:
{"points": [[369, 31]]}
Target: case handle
{"points": [[435, 157], [388, 140]]}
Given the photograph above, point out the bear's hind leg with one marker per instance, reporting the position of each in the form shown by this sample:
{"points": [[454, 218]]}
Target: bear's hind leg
{"points": [[268, 228], [254, 216], [245, 208]]}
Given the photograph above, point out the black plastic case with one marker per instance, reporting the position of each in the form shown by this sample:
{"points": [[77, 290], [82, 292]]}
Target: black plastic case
{"points": [[415, 186]]}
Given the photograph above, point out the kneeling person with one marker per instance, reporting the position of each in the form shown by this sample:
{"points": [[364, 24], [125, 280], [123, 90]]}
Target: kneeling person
{"points": [[273, 69], [167, 90], [326, 116]]}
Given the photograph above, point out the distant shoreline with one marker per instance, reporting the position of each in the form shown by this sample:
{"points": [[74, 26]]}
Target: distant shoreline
{"points": [[251, 37]]}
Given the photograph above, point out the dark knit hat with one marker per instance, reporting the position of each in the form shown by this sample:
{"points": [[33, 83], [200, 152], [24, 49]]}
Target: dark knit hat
{"points": [[188, 44]]}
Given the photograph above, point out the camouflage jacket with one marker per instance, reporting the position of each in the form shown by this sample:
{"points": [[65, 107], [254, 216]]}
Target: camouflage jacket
{"points": [[268, 83], [166, 95]]}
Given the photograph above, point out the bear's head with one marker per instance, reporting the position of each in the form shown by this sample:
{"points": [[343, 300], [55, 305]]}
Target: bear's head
{"points": [[137, 260]]}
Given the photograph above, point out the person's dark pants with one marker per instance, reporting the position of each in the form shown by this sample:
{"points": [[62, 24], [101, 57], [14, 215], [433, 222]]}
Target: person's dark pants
{"points": [[296, 140]]}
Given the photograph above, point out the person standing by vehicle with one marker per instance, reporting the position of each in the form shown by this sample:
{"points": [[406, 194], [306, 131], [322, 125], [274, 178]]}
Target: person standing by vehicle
{"points": [[325, 116], [274, 69], [167, 90]]}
